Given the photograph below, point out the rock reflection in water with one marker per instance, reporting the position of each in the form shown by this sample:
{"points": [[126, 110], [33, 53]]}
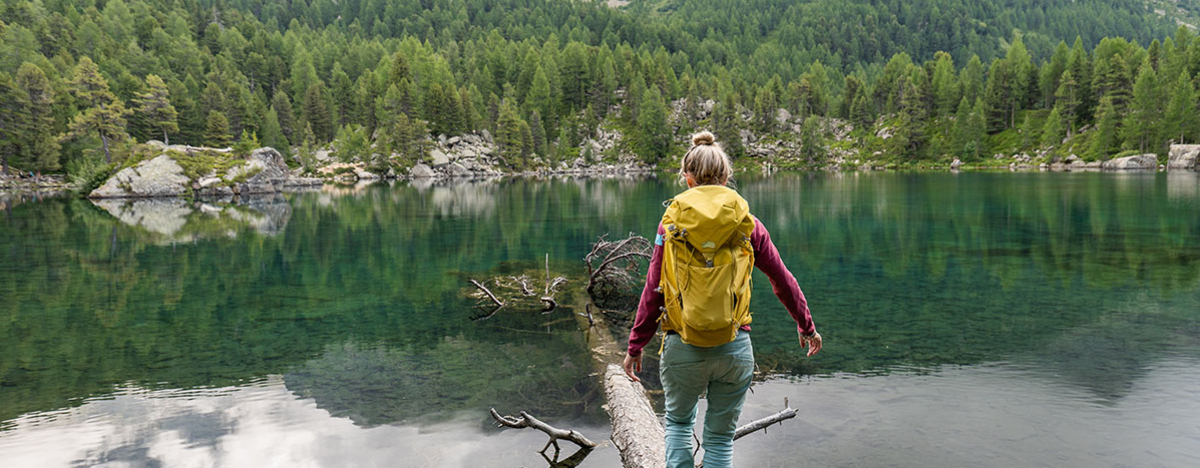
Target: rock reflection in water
{"points": [[262, 424], [171, 220]]}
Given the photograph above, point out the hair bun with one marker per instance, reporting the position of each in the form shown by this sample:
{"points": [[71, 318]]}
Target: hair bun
{"points": [[703, 138]]}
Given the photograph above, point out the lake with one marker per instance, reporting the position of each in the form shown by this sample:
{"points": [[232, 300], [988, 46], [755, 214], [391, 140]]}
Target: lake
{"points": [[970, 319]]}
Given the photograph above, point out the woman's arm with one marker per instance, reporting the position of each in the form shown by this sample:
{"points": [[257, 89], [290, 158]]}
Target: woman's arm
{"points": [[649, 308], [767, 260]]}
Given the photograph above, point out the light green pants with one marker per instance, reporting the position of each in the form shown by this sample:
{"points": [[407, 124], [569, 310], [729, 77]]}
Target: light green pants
{"points": [[687, 371]]}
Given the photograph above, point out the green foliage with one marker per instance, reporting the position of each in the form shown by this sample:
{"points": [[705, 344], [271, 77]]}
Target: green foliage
{"points": [[155, 109], [102, 114], [197, 164], [216, 130], [353, 144], [246, 144], [273, 68]]}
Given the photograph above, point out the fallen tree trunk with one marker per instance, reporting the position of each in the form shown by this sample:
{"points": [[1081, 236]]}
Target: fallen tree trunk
{"points": [[637, 433]]}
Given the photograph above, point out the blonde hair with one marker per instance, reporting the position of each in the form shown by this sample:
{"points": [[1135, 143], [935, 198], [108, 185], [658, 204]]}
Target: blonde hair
{"points": [[706, 162]]}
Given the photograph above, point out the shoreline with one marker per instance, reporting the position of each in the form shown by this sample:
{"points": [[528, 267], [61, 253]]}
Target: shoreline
{"points": [[54, 187]]}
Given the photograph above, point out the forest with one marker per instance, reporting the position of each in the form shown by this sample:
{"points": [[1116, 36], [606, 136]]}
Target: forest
{"points": [[83, 81]]}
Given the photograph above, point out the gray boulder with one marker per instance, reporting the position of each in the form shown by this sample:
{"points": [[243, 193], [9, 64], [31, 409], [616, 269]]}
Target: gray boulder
{"points": [[439, 158], [421, 171], [1183, 157], [1135, 162], [158, 177], [457, 170]]}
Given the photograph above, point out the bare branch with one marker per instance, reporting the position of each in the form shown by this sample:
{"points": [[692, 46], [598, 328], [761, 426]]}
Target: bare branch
{"points": [[761, 424], [489, 293], [527, 420]]}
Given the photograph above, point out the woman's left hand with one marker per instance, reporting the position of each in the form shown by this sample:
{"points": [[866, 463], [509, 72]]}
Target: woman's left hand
{"points": [[813, 343]]}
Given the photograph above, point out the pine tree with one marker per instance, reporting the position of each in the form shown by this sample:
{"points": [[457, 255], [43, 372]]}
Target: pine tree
{"points": [[282, 105], [969, 130], [1067, 101], [1180, 122], [539, 98], [1142, 120], [273, 133], [1052, 132], [154, 106], [538, 133], [216, 130], [727, 125], [1104, 138], [343, 94], [316, 113], [971, 79], [946, 92], [35, 141], [508, 134], [655, 132], [101, 113], [9, 101], [860, 112]]}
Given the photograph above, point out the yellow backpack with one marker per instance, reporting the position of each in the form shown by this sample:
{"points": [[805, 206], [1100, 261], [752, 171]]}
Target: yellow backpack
{"points": [[706, 265]]}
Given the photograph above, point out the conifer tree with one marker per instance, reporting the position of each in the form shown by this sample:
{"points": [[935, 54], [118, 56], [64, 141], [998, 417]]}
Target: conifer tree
{"points": [[1067, 101], [1052, 132], [154, 106], [9, 99], [946, 92], [1144, 113], [1105, 137], [537, 133], [273, 133], [102, 114], [282, 105], [316, 113], [216, 130], [655, 132], [33, 117], [1180, 123], [509, 127]]}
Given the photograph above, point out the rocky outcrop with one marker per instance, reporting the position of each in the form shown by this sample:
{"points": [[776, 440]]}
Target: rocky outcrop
{"points": [[1147, 161], [264, 171], [157, 177], [1184, 157]]}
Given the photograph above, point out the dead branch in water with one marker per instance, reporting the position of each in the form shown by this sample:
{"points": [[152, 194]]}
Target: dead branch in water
{"points": [[517, 292], [488, 292], [527, 420], [761, 424], [615, 268]]}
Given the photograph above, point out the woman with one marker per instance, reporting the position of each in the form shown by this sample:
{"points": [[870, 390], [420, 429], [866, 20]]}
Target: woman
{"points": [[721, 371]]}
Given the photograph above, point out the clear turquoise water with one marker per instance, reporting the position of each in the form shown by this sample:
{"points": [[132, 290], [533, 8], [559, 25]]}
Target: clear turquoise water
{"points": [[973, 319]]}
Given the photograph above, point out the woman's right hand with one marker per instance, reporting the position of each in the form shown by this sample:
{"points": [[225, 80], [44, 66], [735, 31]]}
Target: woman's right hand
{"points": [[632, 364], [813, 343]]}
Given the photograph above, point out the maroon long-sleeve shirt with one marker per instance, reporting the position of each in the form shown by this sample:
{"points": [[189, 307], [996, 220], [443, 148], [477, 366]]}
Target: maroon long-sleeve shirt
{"points": [[766, 259]]}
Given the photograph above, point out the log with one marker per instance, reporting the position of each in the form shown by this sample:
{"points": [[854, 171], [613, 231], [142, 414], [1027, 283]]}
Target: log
{"points": [[637, 434]]}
